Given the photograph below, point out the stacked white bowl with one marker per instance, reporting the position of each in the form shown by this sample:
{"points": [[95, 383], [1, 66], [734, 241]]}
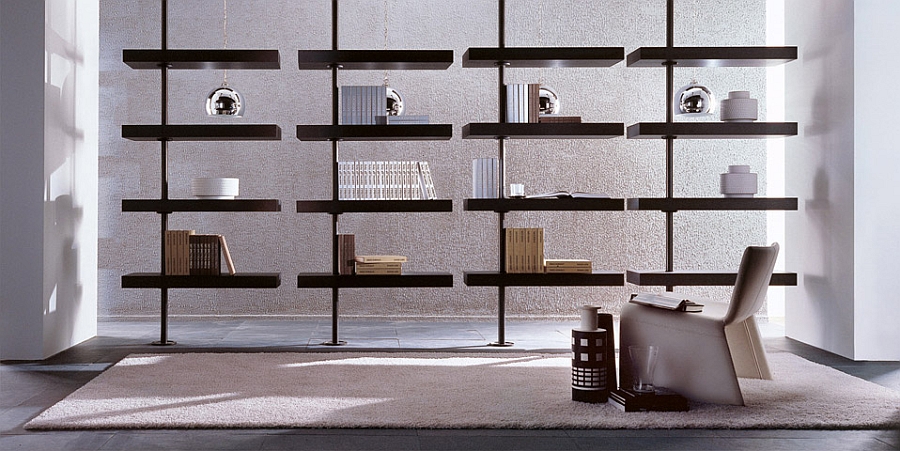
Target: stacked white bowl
{"points": [[215, 188], [738, 181], [738, 107]]}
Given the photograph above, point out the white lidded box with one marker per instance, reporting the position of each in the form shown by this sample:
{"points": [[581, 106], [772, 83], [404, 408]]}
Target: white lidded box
{"points": [[738, 107], [738, 181]]}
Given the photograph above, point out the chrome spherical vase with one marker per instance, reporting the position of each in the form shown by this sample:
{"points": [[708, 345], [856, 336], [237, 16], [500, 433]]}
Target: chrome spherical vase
{"points": [[224, 101]]}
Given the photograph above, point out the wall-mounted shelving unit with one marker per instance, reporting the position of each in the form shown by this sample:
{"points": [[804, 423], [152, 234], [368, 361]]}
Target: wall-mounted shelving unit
{"points": [[163, 60], [500, 58], [336, 60], [670, 58]]}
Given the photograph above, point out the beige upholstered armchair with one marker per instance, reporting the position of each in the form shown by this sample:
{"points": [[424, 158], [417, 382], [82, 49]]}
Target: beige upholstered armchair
{"points": [[702, 354]]}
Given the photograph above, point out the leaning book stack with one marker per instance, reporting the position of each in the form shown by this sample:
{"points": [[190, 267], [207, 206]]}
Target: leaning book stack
{"points": [[561, 266], [379, 265], [524, 250]]}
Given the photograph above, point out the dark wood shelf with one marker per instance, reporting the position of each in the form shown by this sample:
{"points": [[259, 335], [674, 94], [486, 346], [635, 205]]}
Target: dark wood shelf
{"points": [[173, 205], [239, 280], [711, 56], [699, 278], [587, 130], [374, 206], [504, 205], [498, 279], [712, 130], [543, 56], [712, 203], [423, 132], [411, 280], [202, 132], [201, 59], [375, 59]]}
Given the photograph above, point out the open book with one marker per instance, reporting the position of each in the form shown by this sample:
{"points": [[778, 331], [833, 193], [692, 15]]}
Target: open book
{"points": [[572, 194], [667, 302]]}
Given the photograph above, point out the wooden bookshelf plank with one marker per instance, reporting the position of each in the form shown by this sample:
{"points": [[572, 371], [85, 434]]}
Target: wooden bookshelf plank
{"points": [[409, 280], [421, 132], [699, 278], [712, 203], [375, 59], [543, 56], [711, 56], [374, 206], [201, 59], [239, 280], [711, 130], [497, 279], [584, 130], [504, 205], [223, 205], [202, 132]]}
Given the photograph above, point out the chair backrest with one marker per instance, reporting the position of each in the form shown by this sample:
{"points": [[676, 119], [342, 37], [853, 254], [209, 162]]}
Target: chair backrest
{"points": [[753, 279]]}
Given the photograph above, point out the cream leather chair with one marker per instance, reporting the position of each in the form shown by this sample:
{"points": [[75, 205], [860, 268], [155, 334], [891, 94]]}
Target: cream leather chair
{"points": [[701, 355]]}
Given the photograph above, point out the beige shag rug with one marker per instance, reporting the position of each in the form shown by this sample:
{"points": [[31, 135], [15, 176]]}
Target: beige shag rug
{"points": [[433, 390]]}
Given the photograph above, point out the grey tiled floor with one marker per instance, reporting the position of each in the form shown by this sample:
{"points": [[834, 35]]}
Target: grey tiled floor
{"points": [[27, 388]]}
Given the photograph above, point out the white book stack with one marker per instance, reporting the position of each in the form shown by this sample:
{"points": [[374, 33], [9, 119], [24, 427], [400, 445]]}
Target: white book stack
{"points": [[485, 178], [385, 180], [363, 105], [523, 103]]}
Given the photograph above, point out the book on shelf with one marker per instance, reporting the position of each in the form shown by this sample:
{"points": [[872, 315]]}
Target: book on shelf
{"points": [[562, 265], [206, 256], [346, 253], [226, 255], [557, 119], [385, 180], [667, 301], [178, 252], [405, 119], [524, 250], [379, 268], [568, 194], [380, 258], [485, 178]]}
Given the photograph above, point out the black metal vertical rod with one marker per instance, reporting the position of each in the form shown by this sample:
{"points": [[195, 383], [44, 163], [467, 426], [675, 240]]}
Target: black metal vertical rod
{"points": [[501, 177], [164, 181], [335, 196], [670, 140]]}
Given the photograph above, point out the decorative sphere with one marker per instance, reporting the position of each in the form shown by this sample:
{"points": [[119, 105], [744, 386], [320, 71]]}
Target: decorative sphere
{"points": [[394, 102], [224, 101], [695, 99], [549, 100]]}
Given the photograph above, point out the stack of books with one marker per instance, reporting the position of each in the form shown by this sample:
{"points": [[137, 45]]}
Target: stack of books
{"points": [[379, 264], [523, 102], [346, 243], [187, 253], [561, 265], [524, 250], [557, 119], [404, 119], [385, 180], [485, 178]]}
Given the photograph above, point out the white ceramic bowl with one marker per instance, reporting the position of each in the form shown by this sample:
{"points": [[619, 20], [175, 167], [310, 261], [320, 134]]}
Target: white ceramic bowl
{"points": [[738, 184], [215, 188]]}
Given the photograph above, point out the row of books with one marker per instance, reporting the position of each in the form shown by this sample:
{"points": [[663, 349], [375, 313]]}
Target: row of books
{"points": [[524, 249], [350, 263], [385, 180], [188, 253], [485, 178]]}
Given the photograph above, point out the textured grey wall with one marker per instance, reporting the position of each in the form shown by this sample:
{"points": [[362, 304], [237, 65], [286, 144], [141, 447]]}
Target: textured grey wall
{"points": [[455, 242]]}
